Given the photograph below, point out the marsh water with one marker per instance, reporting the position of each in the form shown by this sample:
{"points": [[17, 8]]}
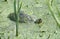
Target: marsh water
{"points": [[47, 29]]}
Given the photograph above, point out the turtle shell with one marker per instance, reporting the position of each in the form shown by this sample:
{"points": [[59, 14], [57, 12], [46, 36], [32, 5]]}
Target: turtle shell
{"points": [[23, 18]]}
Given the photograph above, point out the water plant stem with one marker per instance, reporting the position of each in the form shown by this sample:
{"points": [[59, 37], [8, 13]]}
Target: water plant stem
{"points": [[52, 13], [16, 16], [17, 11]]}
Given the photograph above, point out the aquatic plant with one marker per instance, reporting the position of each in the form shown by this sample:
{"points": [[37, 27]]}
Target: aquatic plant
{"points": [[16, 11], [49, 4]]}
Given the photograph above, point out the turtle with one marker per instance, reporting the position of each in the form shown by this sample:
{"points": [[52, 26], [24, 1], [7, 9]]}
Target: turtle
{"points": [[23, 17]]}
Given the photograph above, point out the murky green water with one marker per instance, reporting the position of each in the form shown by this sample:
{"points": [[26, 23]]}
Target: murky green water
{"points": [[48, 29]]}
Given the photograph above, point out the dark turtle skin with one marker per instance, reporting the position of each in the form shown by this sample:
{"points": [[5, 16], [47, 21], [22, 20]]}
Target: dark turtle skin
{"points": [[23, 18], [38, 21]]}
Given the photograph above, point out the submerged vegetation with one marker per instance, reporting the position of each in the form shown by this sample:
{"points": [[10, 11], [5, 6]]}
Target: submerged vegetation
{"points": [[16, 11], [49, 3]]}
